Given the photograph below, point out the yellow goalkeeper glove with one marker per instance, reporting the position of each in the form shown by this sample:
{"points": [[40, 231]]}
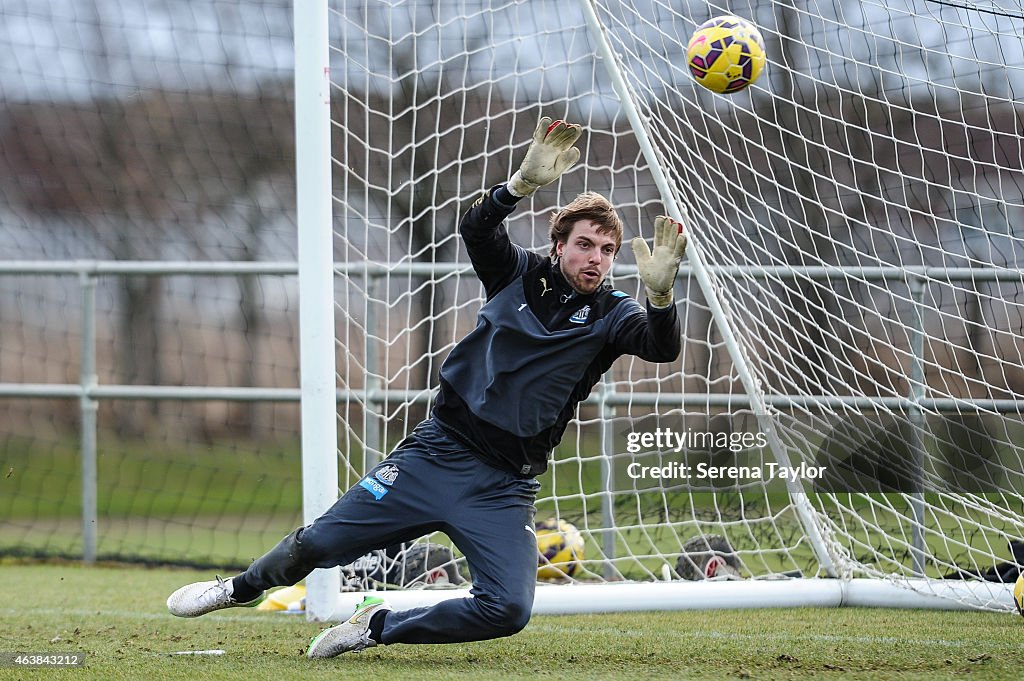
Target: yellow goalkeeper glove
{"points": [[550, 154], [658, 269]]}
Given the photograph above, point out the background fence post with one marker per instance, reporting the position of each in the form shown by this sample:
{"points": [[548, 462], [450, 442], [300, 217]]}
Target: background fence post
{"points": [[917, 422], [88, 409]]}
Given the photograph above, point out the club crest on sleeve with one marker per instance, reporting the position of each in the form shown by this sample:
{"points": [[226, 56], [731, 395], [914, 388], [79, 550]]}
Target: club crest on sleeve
{"points": [[387, 474]]}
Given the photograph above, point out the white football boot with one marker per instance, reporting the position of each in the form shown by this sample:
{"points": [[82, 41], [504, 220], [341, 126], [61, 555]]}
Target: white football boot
{"points": [[352, 635], [199, 598]]}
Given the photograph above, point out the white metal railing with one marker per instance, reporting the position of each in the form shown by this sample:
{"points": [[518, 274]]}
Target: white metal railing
{"points": [[89, 392]]}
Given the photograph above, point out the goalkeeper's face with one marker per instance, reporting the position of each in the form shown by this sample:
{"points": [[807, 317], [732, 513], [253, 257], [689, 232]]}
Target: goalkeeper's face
{"points": [[586, 256]]}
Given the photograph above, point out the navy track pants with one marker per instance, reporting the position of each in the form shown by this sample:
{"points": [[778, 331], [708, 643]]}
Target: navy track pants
{"points": [[429, 483]]}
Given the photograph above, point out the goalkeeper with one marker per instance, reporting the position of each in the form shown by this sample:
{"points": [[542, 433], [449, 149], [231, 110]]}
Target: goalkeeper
{"points": [[550, 327]]}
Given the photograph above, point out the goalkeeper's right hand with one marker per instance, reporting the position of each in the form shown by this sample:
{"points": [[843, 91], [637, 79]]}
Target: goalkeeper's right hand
{"points": [[550, 154]]}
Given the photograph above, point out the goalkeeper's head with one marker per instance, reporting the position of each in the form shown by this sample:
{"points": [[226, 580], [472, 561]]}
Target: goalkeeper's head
{"points": [[587, 206], [585, 238]]}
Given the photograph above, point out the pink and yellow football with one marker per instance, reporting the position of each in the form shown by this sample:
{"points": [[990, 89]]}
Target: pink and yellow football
{"points": [[726, 54]]}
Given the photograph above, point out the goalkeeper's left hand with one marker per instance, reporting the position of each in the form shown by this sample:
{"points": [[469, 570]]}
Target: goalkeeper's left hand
{"points": [[658, 269]]}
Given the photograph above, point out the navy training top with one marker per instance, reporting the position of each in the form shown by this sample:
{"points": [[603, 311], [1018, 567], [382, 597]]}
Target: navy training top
{"points": [[509, 388]]}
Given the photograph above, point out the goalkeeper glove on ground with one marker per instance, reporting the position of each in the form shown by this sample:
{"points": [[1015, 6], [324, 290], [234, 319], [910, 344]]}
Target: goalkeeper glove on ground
{"points": [[658, 269], [550, 154]]}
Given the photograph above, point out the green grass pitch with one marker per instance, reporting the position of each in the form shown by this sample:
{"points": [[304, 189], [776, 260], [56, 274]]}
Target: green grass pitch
{"points": [[116, 615]]}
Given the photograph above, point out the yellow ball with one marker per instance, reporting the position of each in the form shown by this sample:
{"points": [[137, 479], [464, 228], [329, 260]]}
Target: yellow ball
{"points": [[726, 54], [1018, 593], [559, 550]]}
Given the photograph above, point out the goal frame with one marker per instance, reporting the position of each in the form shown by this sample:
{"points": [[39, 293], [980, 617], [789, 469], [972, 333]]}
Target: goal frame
{"points": [[319, 400]]}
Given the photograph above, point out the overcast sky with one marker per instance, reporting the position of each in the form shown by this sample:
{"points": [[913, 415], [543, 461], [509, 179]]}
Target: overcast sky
{"points": [[78, 49]]}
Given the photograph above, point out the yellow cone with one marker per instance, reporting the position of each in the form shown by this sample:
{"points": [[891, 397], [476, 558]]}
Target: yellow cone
{"points": [[289, 598]]}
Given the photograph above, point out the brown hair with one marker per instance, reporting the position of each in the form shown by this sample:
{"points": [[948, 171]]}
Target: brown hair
{"points": [[587, 206]]}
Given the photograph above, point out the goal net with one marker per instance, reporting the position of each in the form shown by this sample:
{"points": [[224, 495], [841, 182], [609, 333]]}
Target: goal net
{"points": [[847, 402]]}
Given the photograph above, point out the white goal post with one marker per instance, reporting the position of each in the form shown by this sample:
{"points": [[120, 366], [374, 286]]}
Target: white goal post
{"points": [[852, 303]]}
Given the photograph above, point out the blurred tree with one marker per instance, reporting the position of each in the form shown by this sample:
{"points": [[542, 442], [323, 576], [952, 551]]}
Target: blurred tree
{"points": [[129, 169]]}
